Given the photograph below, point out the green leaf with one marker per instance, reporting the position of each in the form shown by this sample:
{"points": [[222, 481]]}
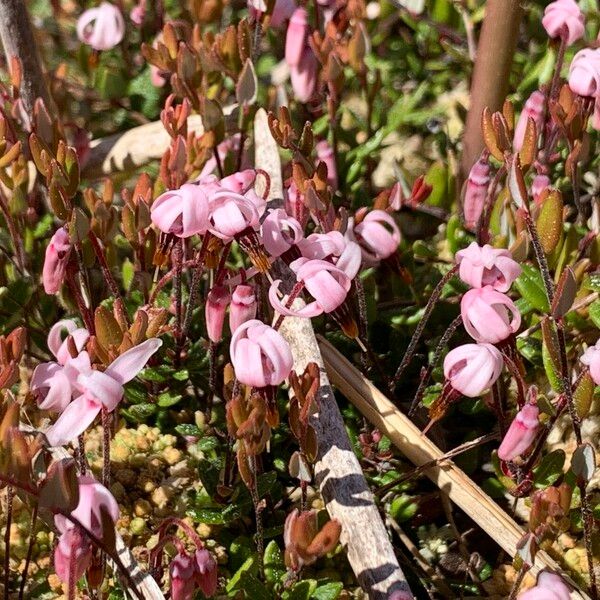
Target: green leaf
{"points": [[329, 591], [109, 82], [208, 443], [301, 590], [139, 413], [583, 396], [250, 567], [594, 312], [274, 566], [209, 472], [549, 469], [403, 508], [211, 516], [592, 282], [167, 399], [531, 286], [188, 429], [144, 96]]}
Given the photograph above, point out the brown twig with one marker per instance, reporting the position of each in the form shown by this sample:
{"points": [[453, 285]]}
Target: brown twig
{"points": [[490, 81]]}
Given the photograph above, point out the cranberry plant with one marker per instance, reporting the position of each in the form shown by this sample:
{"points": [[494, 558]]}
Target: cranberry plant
{"points": [[151, 399]]}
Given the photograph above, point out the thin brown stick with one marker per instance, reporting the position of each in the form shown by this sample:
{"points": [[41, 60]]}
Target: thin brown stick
{"points": [[18, 41], [493, 61]]}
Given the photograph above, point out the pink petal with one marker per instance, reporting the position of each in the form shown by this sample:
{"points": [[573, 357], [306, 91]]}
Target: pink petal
{"points": [[74, 420], [308, 311], [55, 339], [130, 363], [102, 388]]}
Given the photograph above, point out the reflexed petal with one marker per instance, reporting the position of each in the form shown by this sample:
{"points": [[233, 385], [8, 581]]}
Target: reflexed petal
{"points": [[102, 388], [308, 311], [74, 420], [55, 339], [130, 363]]}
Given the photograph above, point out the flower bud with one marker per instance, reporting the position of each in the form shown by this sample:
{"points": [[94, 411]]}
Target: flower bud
{"points": [[472, 369], [521, 433], [476, 192], [182, 571], [549, 586], [243, 306], [296, 36], [584, 73], [539, 184], [563, 18], [56, 261], [489, 316], [304, 75], [484, 265], [533, 109], [216, 304], [206, 572], [101, 27]]}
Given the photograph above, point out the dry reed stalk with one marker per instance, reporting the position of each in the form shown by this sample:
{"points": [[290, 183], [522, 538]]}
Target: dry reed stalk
{"points": [[337, 471], [417, 448]]}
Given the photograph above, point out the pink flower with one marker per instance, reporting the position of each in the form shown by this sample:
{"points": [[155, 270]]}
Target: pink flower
{"points": [[98, 389], [481, 266], [50, 381], [138, 13], [94, 502], [322, 245], [584, 73], [206, 572], [549, 586], [296, 37], [187, 572], [182, 212], [182, 571], [72, 545], [472, 369], [325, 153], [539, 184], [260, 355], [485, 315], [239, 182], [521, 433], [533, 109], [102, 27], [216, 304], [304, 75], [591, 358], [56, 260], [475, 192], [231, 214], [563, 18], [243, 306], [325, 282], [279, 232], [378, 236]]}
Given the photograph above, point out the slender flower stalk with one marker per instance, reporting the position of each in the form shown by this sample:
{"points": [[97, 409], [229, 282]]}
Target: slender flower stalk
{"points": [[433, 299]]}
